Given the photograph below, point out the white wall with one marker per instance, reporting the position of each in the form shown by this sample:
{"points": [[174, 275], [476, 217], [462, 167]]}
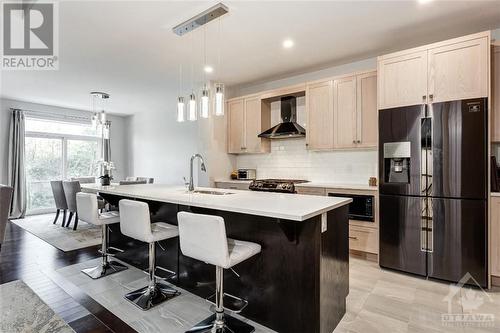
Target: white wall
{"points": [[159, 146], [118, 134]]}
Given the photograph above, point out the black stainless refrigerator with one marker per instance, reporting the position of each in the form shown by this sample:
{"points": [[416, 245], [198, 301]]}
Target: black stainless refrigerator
{"points": [[433, 171]]}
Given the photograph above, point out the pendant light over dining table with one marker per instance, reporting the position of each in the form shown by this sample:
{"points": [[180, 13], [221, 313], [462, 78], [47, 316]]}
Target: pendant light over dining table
{"points": [[204, 101]]}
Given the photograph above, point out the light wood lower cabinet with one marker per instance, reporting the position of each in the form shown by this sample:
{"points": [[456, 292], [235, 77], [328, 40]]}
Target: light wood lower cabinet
{"points": [[311, 190], [243, 185], [363, 239], [495, 236]]}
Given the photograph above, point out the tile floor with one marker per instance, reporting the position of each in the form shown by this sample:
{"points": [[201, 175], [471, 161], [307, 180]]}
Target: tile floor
{"points": [[379, 301]]}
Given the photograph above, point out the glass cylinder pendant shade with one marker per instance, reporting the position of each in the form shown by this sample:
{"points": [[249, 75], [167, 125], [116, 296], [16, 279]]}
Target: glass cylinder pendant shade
{"points": [[205, 103], [219, 99], [180, 109], [192, 116]]}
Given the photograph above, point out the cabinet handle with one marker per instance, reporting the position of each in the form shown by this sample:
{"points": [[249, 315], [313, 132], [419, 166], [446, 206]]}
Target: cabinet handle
{"points": [[359, 141], [424, 98], [431, 97], [353, 141], [351, 237], [243, 148]]}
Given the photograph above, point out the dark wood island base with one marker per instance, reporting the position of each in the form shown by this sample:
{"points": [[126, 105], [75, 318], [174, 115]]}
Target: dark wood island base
{"points": [[298, 283]]}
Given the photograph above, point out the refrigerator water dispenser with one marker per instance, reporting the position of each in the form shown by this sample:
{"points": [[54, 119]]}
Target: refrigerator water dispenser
{"points": [[397, 162]]}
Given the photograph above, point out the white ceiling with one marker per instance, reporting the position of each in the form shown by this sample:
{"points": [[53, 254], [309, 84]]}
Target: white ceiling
{"points": [[128, 50]]}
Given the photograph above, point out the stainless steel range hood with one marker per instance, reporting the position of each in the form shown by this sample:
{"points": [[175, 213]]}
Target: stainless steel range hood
{"points": [[288, 128]]}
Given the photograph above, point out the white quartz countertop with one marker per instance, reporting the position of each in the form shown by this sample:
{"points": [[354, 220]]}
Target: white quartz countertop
{"points": [[277, 205]]}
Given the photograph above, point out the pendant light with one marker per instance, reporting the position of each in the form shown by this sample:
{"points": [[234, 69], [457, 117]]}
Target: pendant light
{"points": [[180, 99], [205, 95], [180, 109], [99, 101], [219, 99], [219, 87], [192, 116]]}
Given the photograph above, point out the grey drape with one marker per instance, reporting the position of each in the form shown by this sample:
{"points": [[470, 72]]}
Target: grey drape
{"points": [[17, 177]]}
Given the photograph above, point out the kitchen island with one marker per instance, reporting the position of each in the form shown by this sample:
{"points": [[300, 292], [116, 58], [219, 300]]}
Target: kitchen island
{"points": [[300, 280]]}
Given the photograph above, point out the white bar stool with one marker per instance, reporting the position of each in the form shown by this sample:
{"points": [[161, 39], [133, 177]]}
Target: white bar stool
{"points": [[203, 237], [87, 210], [136, 223]]}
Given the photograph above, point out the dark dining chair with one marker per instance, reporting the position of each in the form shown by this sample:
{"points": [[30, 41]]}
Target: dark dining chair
{"points": [[59, 199], [71, 188], [5, 202]]}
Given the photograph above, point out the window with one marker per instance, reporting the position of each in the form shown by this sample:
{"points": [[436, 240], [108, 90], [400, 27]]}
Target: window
{"points": [[57, 150]]}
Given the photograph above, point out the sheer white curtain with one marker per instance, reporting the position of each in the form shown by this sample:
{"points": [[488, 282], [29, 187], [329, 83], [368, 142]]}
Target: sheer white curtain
{"points": [[17, 177]]}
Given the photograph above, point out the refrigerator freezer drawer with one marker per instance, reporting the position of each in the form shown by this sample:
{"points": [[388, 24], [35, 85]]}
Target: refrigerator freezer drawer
{"points": [[400, 234], [460, 240]]}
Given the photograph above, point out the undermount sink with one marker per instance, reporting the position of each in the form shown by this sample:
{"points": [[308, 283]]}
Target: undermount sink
{"points": [[212, 192]]}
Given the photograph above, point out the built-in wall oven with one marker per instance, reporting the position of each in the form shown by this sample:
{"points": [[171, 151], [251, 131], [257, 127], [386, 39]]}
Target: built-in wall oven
{"points": [[361, 208]]}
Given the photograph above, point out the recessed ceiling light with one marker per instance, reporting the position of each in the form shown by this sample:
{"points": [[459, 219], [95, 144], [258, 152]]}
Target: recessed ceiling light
{"points": [[424, 1], [288, 43], [208, 69]]}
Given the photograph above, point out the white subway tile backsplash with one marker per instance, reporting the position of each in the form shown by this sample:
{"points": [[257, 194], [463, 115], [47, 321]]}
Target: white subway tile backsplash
{"points": [[290, 159]]}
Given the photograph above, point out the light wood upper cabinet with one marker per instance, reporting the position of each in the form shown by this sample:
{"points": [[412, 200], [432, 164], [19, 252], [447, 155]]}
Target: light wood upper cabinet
{"points": [[494, 232], [459, 71], [402, 80], [355, 110], [253, 126], [495, 92], [450, 70], [236, 121], [248, 117], [345, 113], [367, 115], [319, 108]]}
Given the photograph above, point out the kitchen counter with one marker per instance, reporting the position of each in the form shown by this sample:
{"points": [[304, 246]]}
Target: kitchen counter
{"points": [[277, 205], [302, 270]]}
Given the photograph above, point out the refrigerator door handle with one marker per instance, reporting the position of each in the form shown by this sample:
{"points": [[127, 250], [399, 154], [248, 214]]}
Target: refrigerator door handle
{"points": [[427, 226]]}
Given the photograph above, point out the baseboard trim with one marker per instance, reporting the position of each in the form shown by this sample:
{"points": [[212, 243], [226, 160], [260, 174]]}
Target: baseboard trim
{"points": [[364, 255]]}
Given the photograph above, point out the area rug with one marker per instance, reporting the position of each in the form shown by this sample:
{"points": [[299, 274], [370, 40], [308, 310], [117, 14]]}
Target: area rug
{"points": [[65, 239], [21, 310]]}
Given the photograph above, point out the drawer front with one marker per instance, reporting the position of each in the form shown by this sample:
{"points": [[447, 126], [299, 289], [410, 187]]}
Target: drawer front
{"points": [[310, 190], [232, 186], [363, 239]]}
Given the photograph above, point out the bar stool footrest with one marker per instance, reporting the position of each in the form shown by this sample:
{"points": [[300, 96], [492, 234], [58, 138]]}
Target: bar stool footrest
{"points": [[101, 271], [231, 303], [231, 325], [145, 299]]}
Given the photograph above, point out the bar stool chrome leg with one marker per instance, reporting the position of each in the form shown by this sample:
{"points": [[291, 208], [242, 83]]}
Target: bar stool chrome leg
{"points": [[156, 292], [221, 322], [107, 266]]}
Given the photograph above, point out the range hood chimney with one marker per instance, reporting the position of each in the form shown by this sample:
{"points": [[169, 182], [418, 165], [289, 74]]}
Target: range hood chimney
{"points": [[288, 128]]}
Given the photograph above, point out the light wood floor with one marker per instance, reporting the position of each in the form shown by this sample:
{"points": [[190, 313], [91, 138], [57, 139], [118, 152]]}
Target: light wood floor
{"points": [[386, 301]]}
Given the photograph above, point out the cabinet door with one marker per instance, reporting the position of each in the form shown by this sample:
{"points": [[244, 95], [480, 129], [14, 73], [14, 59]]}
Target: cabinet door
{"points": [[402, 80], [253, 128], [367, 122], [459, 71], [344, 109], [495, 236], [495, 93], [319, 106], [235, 126]]}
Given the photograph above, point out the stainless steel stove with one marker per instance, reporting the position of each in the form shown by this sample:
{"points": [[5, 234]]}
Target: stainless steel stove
{"points": [[275, 185]]}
